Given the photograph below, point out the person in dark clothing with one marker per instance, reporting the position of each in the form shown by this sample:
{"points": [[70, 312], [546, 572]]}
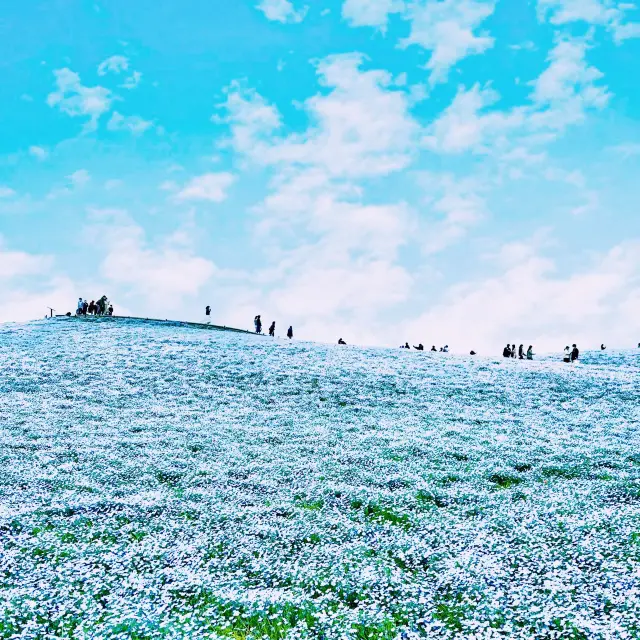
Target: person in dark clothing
{"points": [[341, 341], [602, 347], [92, 307], [506, 352], [521, 352], [272, 329], [472, 353], [207, 311], [420, 347], [575, 353], [290, 333], [405, 346], [85, 308], [257, 321], [110, 310], [433, 348]]}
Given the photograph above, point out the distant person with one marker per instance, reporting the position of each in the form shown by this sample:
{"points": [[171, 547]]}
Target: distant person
{"points": [[79, 308], [92, 307], [207, 315], [433, 348], [602, 347], [472, 353], [405, 346], [445, 349], [257, 321], [110, 310], [341, 341], [521, 352], [272, 329], [506, 352], [420, 347], [575, 353], [567, 354], [530, 353], [85, 308], [290, 333], [513, 350]]}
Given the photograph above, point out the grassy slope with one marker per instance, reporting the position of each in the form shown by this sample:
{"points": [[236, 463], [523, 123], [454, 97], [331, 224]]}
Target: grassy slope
{"points": [[165, 482]]}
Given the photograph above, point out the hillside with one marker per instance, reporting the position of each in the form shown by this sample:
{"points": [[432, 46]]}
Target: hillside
{"points": [[170, 482]]}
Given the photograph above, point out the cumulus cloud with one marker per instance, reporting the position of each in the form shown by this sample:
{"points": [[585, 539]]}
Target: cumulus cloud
{"points": [[14, 264], [371, 13], [134, 124], [76, 100], [564, 93], [79, 178], [607, 13], [530, 302], [163, 272], [210, 186], [448, 29], [282, 11]]}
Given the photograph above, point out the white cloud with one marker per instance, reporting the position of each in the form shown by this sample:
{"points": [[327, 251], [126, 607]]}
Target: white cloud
{"points": [[132, 81], [282, 11], [448, 29], [371, 13], [134, 124], [76, 100], [162, 274], [79, 178], [561, 96], [626, 149], [114, 64], [530, 303], [607, 13], [210, 186], [38, 152], [6, 192], [14, 264]]}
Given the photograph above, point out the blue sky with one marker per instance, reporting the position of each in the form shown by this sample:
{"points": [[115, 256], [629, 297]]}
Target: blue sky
{"points": [[461, 171]]}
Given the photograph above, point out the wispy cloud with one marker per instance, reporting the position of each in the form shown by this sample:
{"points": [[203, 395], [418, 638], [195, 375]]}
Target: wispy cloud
{"points": [[134, 124], [114, 64], [77, 100], [212, 187], [38, 152]]}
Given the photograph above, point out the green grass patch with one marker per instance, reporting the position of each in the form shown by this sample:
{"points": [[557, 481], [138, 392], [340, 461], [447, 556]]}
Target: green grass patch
{"points": [[566, 473], [504, 480]]}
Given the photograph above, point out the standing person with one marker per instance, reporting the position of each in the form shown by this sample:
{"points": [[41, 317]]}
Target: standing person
{"points": [[79, 308], [92, 307], [110, 310], [575, 353], [513, 350], [207, 314], [521, 352], [258, 323], [290, 333], [567, 354], [506, 352], [530, 353], [272, 329]]}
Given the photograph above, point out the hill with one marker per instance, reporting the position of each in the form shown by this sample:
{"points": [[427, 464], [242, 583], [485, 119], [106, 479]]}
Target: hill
{"points": [[165, 482]]}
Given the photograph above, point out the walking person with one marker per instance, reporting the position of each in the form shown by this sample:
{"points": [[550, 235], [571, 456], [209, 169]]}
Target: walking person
{"points": [[272, 329], [290, 333]]}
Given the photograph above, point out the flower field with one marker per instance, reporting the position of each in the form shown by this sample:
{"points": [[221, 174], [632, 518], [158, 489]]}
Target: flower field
{"points": [[163, 482]]}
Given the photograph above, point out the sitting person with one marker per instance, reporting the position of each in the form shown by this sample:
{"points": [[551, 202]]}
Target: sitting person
{"points": [[420, 347], [341, 341]]}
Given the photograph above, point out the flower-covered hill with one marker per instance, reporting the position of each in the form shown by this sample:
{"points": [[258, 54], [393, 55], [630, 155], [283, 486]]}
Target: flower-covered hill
{"points": [[163, 482]]}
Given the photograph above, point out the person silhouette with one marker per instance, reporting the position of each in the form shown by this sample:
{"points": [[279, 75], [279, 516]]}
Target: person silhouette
{"points": [[290, 333], [341, 341]]}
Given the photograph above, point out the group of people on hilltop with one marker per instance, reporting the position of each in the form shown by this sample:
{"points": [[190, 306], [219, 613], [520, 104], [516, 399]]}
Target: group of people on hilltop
{"points": [[420, 347], [100, 308], [257, 323], [510, 351]]}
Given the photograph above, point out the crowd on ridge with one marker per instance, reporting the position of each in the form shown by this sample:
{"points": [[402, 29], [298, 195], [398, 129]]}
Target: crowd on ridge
{"points": [[100, 308]]}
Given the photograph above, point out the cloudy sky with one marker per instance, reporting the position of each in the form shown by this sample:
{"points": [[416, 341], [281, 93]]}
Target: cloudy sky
{"points": [[455, 171]]}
